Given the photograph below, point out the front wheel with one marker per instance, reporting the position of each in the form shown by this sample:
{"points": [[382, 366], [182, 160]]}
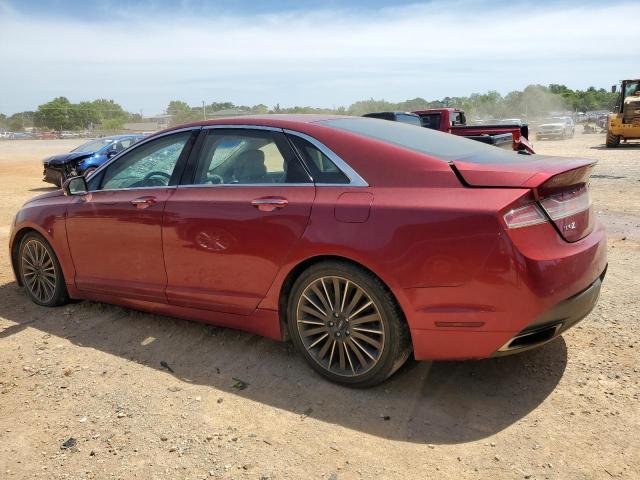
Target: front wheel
{"points": [[347, 324], [88, 172], [612, 140], [40, 272]]}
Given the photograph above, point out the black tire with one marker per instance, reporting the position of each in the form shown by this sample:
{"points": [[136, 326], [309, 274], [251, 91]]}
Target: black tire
{"points": [[389, 330], [612, 140], [40, 272]]}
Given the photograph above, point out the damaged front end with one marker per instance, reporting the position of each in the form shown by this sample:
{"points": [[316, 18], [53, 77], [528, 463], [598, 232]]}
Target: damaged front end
{"points": [[60, 167]]}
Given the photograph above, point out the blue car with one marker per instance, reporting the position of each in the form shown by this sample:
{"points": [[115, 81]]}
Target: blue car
{"points": [[86, 158]]}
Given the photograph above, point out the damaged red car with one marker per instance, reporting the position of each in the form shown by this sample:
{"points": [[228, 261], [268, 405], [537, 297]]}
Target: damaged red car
{"points": [[362, 241]]}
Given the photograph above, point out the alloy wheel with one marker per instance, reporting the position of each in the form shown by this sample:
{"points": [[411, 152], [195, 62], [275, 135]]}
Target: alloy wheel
{"points": [[340, 326], [38, 271]]}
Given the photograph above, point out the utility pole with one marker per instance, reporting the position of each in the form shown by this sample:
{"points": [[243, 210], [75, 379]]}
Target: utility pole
{"points": [[204, 111]]}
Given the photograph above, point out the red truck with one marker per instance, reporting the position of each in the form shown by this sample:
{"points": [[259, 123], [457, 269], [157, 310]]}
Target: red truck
{"points": [[452, 120]]}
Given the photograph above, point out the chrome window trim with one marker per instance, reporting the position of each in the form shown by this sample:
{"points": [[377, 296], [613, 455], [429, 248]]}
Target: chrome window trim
{"points": [[355, 180], [242, 127], [209, 185], [131, 188], [136, 145]]}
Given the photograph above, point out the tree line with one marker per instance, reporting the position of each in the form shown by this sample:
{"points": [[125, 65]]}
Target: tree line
{"points": [[61, 114], [534, 101]]}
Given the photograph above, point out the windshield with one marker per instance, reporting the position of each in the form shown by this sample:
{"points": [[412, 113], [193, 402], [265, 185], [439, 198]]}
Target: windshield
{"points": [[424, 140], [632, 88], [93, 145]]}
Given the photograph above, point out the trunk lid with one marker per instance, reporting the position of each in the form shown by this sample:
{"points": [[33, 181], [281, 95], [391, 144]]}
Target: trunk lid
{"points": [[559, 185]]}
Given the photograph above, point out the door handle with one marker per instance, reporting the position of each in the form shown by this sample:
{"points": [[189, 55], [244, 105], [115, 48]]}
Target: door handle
{"points": [[144, 202], [269, 204]]}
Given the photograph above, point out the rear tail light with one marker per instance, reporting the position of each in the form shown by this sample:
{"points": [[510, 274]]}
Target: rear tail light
{"points": [[569, 210], [524, 216], [566, 204]]}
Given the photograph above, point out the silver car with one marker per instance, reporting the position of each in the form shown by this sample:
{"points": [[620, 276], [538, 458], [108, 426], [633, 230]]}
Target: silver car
{"points": [[556, 127]]}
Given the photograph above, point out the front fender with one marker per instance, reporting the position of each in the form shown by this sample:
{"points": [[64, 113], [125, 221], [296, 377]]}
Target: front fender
{"points": [[92, 162], [47, 216]]}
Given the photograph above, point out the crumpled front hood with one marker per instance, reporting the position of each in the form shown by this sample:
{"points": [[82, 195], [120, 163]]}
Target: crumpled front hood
{"points": [[65, 158]]}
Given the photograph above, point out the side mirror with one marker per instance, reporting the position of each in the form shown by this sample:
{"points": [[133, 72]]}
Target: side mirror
{"points": [[75, 186], [614, 88]]}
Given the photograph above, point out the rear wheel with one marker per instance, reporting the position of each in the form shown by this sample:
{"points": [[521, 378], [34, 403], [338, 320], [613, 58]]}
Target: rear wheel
{"points": [[612, 140], [347, 324], [40, 272]]}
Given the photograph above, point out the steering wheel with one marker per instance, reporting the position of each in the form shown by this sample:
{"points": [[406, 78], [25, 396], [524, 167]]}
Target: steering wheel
{"points": [[147, 179]]}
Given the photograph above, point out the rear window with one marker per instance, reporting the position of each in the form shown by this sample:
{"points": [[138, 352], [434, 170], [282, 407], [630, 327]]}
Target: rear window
{"points": [[431, 120], [444, 146]]}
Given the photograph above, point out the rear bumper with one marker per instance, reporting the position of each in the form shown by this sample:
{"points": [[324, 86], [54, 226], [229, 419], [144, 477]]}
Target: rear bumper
{"points": [[529, 285], [555, 321]]}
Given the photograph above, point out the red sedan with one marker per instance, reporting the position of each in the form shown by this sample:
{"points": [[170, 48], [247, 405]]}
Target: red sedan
{"points": [[359, 239]]}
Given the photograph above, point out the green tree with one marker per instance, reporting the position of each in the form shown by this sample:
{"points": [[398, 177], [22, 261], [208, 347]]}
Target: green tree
{"points": [[56, 114], [181, 112]]}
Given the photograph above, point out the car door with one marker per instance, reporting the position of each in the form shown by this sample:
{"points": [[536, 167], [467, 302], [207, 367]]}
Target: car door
{"points": [[245, 201], [114, 231]]}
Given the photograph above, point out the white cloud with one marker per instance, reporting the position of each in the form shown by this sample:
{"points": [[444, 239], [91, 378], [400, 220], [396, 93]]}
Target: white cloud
{"points": [[325, 57]]}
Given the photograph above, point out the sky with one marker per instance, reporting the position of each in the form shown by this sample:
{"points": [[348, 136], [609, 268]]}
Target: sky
{"points": [[142, 54]]}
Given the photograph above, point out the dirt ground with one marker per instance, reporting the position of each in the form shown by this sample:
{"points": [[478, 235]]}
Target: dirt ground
{"points": [[94, 372]]}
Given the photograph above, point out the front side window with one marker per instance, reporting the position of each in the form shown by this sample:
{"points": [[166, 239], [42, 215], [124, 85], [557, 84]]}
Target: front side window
{"points": [[245, 157], [149, 165], [322, 169]]}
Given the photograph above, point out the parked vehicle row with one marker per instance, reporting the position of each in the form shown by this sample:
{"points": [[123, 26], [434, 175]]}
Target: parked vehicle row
{"points": [[361, 240], [45, 135]]}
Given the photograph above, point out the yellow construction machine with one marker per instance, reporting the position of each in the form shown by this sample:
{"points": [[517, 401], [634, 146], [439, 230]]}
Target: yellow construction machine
{"points": [[624, 122]]}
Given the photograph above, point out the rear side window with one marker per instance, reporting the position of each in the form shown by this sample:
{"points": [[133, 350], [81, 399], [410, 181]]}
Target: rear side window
{"points": [[322, 169], [443, 146], [245, 157], [410, 119]]}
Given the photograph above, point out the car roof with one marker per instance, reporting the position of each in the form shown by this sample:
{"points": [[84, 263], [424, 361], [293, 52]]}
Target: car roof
{"points": [[276, 120]]}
